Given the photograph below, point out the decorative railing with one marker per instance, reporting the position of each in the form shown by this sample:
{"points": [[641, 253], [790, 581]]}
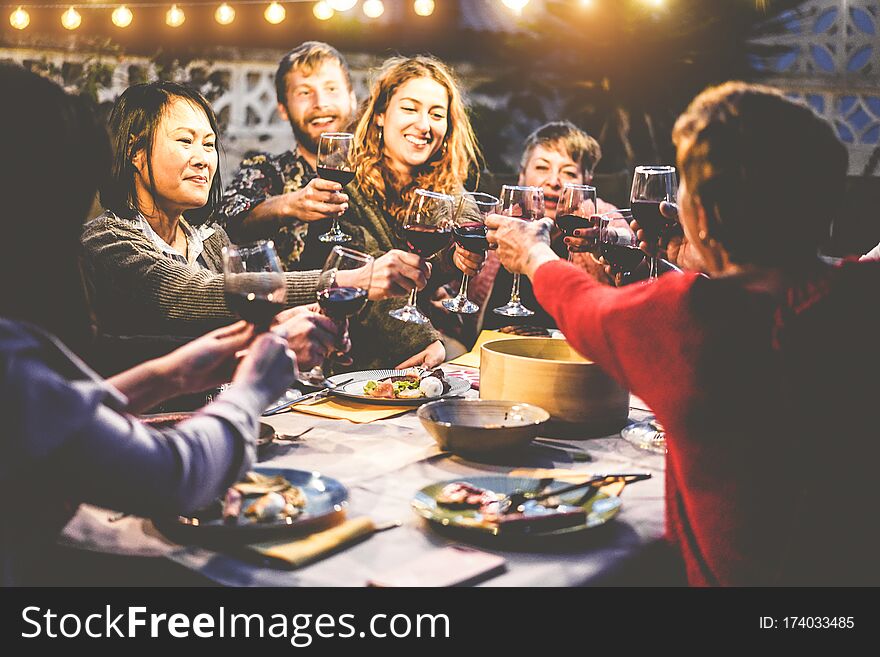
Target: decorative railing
{"points": [[830, 58]]}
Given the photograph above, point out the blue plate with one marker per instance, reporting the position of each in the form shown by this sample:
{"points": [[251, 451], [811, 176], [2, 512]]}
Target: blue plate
{"points": [[326, 499]]}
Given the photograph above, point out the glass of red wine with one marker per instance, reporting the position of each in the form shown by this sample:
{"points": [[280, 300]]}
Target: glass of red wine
{"points": [[526, 203], [618, 243], [651, 186], [341, 302], [576, 209], [253, 283], [470, 234], [427, 229], [334, 163]]}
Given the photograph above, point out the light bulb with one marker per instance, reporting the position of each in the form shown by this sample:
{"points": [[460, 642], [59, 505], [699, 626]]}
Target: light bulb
{"points": [[175, 16], [341, 5], [275, 13], [71, 19], [19, 19], [373, 8], [224, 14], [322, 11], [121, 16], [515, 5], [424, 7]]}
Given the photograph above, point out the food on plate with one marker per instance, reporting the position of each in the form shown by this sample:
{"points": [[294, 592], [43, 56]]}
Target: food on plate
{"points": [[462, 495], [261, 498], [531, 517], [408, 386]]}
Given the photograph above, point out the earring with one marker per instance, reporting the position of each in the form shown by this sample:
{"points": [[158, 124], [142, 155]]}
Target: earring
{"points": [[443, 149], [702, 235], [381, 135]]}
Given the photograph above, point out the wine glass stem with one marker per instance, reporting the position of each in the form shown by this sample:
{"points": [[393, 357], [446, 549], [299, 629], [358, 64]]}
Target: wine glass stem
{"points": [[462, 291], [412, 298], [514, 290], [653, 268]]}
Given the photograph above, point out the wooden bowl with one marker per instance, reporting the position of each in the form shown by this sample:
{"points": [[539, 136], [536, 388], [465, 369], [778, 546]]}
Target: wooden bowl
{"points": [[477, 427], [582, 399]]}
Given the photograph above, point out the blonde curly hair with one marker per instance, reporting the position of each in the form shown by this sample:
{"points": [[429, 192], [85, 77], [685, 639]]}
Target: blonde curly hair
{"points": [[447, 169]]}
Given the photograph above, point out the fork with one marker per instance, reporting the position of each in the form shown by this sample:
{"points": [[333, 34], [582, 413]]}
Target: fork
{"points": [[513, 502]]}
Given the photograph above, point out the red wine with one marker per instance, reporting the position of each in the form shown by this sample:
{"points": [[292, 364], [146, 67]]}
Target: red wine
{"points": [[647, 213], [568, 223], [426, 240], [341, 302], [471, 237], [621, 257], [341, 176], [255, 310]]}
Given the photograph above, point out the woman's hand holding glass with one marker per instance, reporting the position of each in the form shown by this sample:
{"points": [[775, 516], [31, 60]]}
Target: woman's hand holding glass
{"points": [[470, 237], [426, 228], [653, 185]]}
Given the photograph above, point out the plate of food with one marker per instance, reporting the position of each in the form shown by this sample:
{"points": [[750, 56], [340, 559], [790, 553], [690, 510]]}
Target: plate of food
{"points": [[398, 387], [473, 504], [265, 502]]}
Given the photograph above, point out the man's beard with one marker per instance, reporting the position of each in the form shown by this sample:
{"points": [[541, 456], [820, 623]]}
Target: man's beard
{"points": [[303, 138]]}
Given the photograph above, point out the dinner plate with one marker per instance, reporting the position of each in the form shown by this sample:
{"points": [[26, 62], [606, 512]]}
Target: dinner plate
{"points": [[354, 389], [325, 498], [599, 509]]}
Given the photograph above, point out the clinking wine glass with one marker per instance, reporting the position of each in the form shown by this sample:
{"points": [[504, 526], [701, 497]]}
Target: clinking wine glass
{"points": [[341, 302], [253, 282], [526, 203], [619, 247], [334, 163], [651, 186], [470, 234], [618, 243], [576, 209], [427, 229]]}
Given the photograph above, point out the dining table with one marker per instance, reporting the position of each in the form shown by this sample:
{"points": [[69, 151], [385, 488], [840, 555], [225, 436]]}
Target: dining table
{"points": [[383, 464]]}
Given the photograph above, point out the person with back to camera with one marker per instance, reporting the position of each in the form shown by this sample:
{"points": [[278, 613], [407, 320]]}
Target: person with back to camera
{"points": [[760, 374], [68, 436]]}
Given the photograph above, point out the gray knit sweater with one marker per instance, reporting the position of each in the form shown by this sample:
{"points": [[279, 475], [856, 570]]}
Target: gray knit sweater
{"points": [[138, 290]]}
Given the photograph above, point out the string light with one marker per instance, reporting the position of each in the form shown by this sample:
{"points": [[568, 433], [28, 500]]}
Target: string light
{"points": [[71, 19], [322, 11], [224, 14], [586, 3], [423, 7], [121, 16], [656, 3], [275, 13], [19, 19], [515, 5], [373, 8], [341, 5], [175, 16]]}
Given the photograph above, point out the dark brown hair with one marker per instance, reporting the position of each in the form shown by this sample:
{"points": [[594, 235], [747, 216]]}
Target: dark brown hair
{"points": [[133, 123]]}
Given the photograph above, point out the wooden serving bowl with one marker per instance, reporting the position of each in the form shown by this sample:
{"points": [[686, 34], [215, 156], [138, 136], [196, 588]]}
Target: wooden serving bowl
{"points": [[581, 398]]}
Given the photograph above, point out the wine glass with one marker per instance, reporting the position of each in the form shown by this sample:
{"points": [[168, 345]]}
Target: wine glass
{"points": [[651, 186], [576, 209], [334, 163], [470, 234], [526, 203], [253, 283], [340, 302], [427, 229], [618, 243]]}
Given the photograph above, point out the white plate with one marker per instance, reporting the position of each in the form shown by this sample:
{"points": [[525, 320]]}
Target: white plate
{"points": [[355, 388]]}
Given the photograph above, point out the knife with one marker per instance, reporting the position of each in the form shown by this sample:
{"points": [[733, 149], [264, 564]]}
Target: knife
{"points": [[318, 394]]}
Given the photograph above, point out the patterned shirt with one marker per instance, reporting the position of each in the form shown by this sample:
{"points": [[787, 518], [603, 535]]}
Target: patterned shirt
{"points": [[260, 177]]}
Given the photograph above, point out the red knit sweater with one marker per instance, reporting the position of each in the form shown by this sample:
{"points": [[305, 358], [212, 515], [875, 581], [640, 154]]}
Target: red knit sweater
{"points": [[769, 403]]}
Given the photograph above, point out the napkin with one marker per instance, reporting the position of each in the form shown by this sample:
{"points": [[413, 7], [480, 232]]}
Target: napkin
{"points": [[571, 476], [353, 411], [314, 546], [472, 358]]}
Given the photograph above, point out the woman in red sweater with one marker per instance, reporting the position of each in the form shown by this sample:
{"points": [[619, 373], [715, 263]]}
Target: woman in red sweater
{"points": [[765, 374]]}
